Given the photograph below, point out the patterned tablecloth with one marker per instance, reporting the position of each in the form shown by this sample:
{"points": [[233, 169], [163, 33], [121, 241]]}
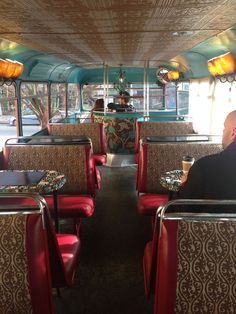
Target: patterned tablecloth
{"points": [[172, 180], [51, 181]]}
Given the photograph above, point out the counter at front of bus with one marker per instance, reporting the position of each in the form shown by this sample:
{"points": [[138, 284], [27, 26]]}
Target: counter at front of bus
{"points": [[120, 128]]}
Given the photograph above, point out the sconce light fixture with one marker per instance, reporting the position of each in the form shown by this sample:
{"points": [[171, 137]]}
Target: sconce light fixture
{"points": [[121, 85], [165, 75], [9, 71], [173, 75], [223, 67]]}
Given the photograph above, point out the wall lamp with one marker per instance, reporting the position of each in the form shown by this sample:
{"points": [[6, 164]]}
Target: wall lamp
{"points": [[173, 75], [165, 75], [9, 71], [223, 67]]}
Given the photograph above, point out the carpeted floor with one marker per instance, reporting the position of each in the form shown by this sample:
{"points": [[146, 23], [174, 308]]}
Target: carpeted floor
{"points": [[109, 277]]}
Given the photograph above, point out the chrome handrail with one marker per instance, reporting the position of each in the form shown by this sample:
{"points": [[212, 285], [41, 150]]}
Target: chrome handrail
{"points": [[8, 209], [161, 211]]}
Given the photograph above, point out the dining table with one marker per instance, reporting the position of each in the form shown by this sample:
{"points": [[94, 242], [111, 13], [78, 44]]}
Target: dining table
{"points": [[179, 138], [33, 181], [49, 140], [172, 181]]}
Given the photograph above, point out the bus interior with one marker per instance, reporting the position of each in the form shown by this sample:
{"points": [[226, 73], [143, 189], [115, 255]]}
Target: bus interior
{"points": [[166, 54]]}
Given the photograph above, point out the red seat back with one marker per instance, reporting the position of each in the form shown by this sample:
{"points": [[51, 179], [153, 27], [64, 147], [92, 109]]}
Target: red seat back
{"points": [[61, 274], [24, 262], [74, 161], [196, 264], [144, 129], [95, 131], [61, 250], [158, 158]]}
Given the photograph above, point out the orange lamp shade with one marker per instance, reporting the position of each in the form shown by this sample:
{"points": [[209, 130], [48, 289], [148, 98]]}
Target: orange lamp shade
{"points": [[3, 67], [211, 68], [10, 68], [173, 75], [215, 67], [18, 69], [228, 63], [218, 66], [224, 64]]}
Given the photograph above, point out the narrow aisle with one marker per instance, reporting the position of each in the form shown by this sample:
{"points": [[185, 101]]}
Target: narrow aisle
{"points": [[109, 277]]}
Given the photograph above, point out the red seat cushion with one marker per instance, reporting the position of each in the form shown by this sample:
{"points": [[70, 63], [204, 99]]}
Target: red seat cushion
{"points": [[78, 206], [148, 203], [69, 246], [74, 206], [99, 159], [98, 179], [147, 267]]}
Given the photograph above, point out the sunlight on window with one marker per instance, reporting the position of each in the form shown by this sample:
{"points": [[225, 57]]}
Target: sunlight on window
{"points": [[209, 104]]}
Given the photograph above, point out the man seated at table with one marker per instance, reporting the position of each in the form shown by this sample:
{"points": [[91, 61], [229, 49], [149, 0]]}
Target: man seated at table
{"points": [[123, 105], [214, 176]]}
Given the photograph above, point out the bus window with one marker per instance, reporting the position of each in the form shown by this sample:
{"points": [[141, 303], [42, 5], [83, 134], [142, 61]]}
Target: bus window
{"points": [[33, 107], [210, 102], [91, 92], [7, 112], [58, 101], [73, 98], [157, 99], [183, 98]]}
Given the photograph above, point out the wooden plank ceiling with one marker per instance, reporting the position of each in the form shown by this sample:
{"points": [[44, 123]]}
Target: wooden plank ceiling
{"points": [[114, 32]]}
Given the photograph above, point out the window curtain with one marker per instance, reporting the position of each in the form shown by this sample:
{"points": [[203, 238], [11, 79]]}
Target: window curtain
{"points": [[209, 103]]}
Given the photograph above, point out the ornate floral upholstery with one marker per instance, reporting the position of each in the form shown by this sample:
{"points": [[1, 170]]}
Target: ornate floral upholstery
{"points": [[206, 279], [95, 131], [15, 295], [33, 258], [74, 161], [158, 158], [196, 267], [144, 129], [67, 159], [24, 265], [120, 134]]}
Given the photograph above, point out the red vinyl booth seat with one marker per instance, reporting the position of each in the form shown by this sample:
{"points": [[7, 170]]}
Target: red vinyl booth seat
{"points": [[69, 247], [148, 200], [155, 159], [64, 254], [62, 250], [148, 204], [81, 206], [100, 160], [148, 271], [95, 131], [196, 262], [150, 257], [24, 262], [76, 199], [147, 128]]}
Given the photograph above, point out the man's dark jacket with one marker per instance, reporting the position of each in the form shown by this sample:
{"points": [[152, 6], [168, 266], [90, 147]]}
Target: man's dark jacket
{"points": [[212, 177]]}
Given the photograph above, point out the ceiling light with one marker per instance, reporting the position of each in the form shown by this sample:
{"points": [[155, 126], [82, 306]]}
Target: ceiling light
{"points": [[121, 84], [182, 33]]}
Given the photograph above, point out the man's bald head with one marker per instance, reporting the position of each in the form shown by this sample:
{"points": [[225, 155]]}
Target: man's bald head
{"points": [[229, 133]]}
